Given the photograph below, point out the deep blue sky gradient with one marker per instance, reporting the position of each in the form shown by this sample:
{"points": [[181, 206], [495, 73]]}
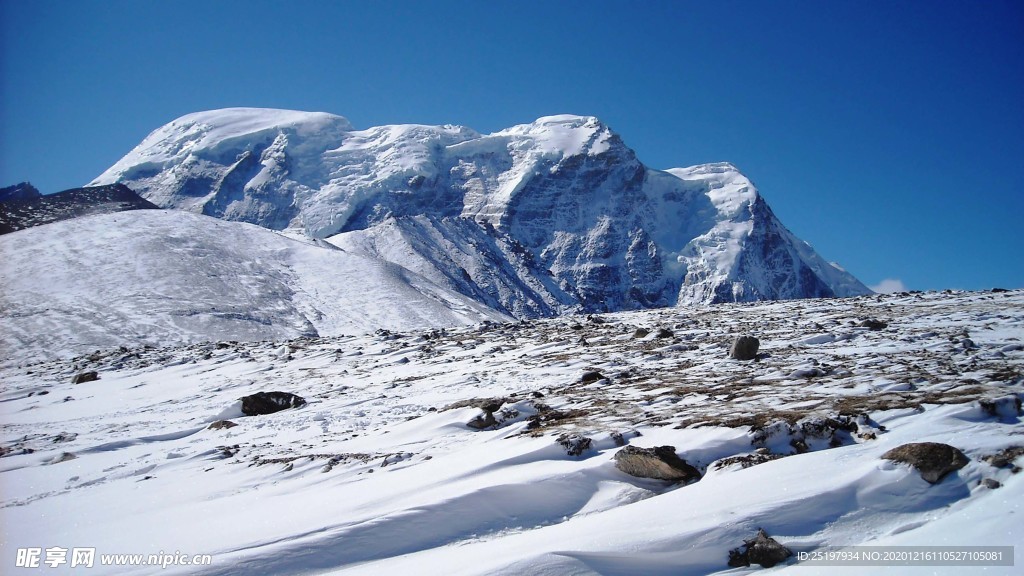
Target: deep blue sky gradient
{"points": [[890, 135]]}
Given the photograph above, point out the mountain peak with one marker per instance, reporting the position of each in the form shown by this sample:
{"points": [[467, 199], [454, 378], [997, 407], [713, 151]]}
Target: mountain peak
{"points": [[541, 218]]}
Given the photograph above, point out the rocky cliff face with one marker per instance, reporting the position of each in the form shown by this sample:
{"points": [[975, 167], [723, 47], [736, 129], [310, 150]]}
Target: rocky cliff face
{"points": [[553, 216]]}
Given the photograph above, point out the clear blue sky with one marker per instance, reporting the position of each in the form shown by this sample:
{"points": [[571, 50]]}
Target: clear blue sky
{"points": [[890, 135]]}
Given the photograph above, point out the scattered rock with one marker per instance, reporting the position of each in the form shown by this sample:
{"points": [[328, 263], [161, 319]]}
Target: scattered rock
{"points": [[1005, 457], [664, 333], [991, 483], [746, 460], [641, 333], [661, 463], [744, 348], [1003, 407], [483, 421], [83, 377], [64, 457], [763, 550], [932, 459], [999, 290], [222, 425], [590, 377], [269, 402], [575, 444], [873, 324]]}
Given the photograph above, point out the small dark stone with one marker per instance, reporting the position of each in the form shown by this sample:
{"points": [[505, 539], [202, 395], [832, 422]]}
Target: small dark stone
{"points": [[999, 290], [744, 348], [664, 333], [537, 394], [641, 332], [270, 402], [590, 377], [932, 459], [222, 425], [991, 483], [82, 377]]}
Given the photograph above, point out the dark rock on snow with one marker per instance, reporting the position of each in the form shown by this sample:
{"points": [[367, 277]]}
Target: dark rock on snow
{"points": [[762, 549], [575, 444], [222, 425], [661, 463], [82, 377], [744, 348], [270, 402], [932, 459], [872, 324]]}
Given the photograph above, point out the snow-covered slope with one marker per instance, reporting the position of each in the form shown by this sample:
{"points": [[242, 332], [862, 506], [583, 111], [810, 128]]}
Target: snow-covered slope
{"points": [[163, 277], [538, 219], [379, 472]]}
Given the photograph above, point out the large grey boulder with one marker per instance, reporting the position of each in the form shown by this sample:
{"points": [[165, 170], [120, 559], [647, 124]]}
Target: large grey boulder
{"points": [[661, 463], [932, 459], [744, 348]]}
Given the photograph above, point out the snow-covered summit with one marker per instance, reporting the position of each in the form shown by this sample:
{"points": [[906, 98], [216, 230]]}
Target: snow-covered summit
{"points": [[541, 218]]}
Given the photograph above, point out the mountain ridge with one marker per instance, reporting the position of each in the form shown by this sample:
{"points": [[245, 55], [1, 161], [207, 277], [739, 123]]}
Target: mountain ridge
{"points": [[565, 215]]}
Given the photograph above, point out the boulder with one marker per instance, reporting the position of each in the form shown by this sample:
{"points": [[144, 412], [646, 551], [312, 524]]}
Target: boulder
{"points": [[873, 325], [575, 444], [82, 377], [222, 425], [590, 377], [270, 402], [744, 348], [932, 459], [660, 463], [763, 550]]}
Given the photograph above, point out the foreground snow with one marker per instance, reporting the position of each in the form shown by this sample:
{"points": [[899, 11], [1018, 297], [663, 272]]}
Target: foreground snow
{"points": [[379, 473]]}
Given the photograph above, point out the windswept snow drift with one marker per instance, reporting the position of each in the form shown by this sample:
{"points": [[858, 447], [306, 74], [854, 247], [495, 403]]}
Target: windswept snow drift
{"points": [[378, 473], [162, 277], [544, 218]]}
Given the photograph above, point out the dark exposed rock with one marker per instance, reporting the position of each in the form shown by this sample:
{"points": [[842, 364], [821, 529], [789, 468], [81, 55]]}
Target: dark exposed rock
{"points": [[38, 210], [222, 425], [664, 333], [82, 377], [762, 549], [270, 402], [641, 333], [661, 463], [873, 324], [19, 192], [991, 483], [744, 348], [932, 459], [575, 444], [590, 377]]}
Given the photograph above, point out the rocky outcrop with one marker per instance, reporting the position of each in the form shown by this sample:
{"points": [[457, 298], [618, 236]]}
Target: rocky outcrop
{"points": [[660, 463], [932, 459], [38, 210]]}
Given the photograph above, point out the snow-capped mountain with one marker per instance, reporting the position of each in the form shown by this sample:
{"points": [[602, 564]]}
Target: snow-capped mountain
{"points": [[162, 277], [543, 218]]}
